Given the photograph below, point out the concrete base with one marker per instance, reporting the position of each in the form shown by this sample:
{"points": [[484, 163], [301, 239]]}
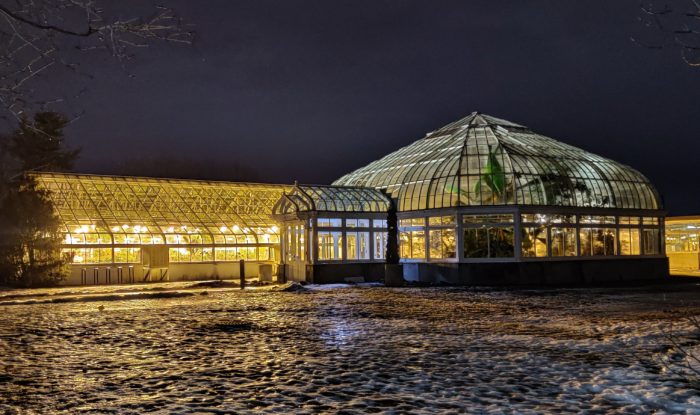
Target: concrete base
{"points": [[109, 273], [393, 275], [340, 273], [589, 271]]}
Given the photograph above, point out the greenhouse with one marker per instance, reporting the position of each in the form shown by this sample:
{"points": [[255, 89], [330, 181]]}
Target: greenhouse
{"points": [[129, 229], [484, 200], [683, 242], [479, 201], [347, 227]]}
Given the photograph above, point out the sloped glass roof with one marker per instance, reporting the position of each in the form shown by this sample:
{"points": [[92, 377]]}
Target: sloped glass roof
{"points": [[332, 199], [482, 160], [162, 210]]}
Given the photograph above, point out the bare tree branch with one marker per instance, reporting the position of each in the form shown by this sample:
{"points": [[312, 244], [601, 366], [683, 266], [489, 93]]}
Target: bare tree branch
{"points": [[38, 37], [676, 26]]}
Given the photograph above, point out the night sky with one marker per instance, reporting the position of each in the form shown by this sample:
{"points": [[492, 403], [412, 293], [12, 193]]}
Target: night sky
{"points": [[278, 91]]}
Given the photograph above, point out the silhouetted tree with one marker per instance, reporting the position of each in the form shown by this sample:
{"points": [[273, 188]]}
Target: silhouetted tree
{"points": [[30, 236]]}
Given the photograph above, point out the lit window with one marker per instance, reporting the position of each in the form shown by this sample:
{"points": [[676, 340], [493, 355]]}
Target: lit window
{"points": [[380, 243], [330, 246], [357, 245]]}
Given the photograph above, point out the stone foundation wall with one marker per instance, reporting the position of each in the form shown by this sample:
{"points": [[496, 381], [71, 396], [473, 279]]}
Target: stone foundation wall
{"points": [[588, 271]]}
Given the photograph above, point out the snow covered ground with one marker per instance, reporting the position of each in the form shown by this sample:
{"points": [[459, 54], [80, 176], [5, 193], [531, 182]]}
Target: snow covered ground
{"points": [[174, 348]]}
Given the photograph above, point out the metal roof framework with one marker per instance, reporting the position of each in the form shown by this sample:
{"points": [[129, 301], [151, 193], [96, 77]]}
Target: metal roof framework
{"points": [[345, 199], [484, 161], [97, 209]]}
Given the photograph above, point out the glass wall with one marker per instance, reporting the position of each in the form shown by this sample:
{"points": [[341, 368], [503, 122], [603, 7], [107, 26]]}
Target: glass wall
{"points": [[552, 235], [351, 239], [540, 235]]}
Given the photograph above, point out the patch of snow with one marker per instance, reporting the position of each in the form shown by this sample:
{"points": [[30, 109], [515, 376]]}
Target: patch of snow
{"points": [[344, 348]]}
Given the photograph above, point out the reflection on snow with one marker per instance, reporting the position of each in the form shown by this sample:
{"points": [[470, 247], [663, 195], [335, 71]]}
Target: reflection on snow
{"points": [[352, 349]]}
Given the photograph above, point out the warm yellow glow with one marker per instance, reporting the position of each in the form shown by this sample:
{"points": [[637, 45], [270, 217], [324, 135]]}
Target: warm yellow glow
{"points": [[115, 229], [125, 226], [274, 229], [223, 229]]}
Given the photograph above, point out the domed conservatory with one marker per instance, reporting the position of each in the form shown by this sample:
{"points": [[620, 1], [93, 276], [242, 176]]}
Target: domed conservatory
{"points": [[484, 200], [479, 201]]}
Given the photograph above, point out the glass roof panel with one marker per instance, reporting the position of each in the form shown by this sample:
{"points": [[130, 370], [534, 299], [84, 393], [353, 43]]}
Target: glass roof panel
{"points": [[135, 205]]}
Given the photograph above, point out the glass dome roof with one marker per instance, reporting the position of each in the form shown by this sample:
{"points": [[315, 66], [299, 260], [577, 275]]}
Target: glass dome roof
{"points": [[305, 198], [482, 160]]}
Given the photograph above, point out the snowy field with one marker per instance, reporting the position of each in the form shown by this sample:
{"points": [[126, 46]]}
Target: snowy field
{"points": [[174, 349]]}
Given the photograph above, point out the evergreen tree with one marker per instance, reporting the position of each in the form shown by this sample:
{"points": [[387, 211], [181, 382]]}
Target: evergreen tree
{"points": [[30, 237]]}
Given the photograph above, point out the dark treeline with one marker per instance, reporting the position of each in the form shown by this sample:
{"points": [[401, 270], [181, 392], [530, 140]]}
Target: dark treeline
{"points": [[30, 234]]}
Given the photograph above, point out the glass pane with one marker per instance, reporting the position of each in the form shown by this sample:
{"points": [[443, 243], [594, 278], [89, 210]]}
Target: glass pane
{"points": [[441, 220], [650, 241], [534, 242], [563, 241], [585, 239], [629, 220], [604, 242], [352, 245], [501, 242], [598, 241], [418, 222], [405, 244], [380, 241], [379, 223], [476, 243], [363, 245], [418, 244], [330, 246], [479, 219], [598, 219], [629, 241], [442, 244]]}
